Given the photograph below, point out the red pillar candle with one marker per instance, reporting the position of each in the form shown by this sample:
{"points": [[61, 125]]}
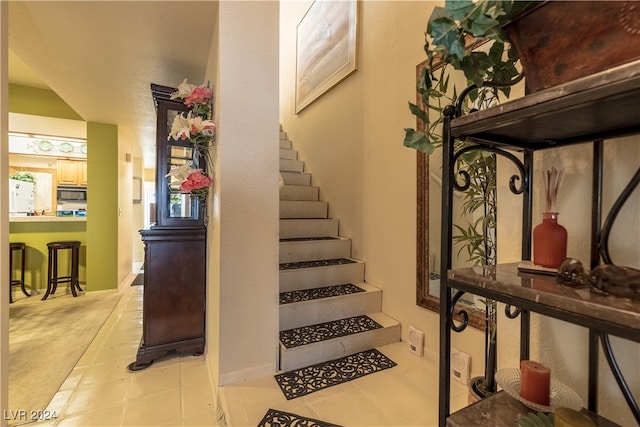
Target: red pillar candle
{"points": [[535, 382]]}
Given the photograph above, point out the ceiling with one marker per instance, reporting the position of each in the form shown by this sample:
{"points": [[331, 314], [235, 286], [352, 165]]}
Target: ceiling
{"points": [[101, 57]]}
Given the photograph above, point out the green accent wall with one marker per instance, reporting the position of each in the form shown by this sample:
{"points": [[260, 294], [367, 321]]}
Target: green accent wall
{"points": [[102, 206], [39, 102], [99, 234]]}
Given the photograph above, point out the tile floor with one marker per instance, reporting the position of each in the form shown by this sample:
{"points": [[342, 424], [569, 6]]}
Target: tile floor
{"points": [[100, 391], [175, 390]]}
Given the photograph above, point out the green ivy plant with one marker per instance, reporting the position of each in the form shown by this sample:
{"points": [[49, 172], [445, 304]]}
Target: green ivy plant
{"points": [[452, 32]]}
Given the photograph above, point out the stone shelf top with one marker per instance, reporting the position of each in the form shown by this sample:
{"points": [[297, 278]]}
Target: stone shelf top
{"points": [[541, 293]]}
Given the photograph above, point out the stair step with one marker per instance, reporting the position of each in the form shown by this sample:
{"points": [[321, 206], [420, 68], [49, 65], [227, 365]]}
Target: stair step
{"points": [[328, 303], [308, 275], [308, 345], [287, 165], [285, 143], [309, 249], [289, 154], [299, 192], [308, 228], [303, 209], [296, 178]]}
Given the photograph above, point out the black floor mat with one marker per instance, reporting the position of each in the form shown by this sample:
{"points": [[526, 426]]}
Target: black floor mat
{"points": [[138, 281], [325, 331], [276, 418], [318, 293], [303, 381]]}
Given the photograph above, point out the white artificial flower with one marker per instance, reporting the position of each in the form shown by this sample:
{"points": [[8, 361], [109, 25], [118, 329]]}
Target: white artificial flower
{"points": [[184, 89], [180, 128], [180, 173]]}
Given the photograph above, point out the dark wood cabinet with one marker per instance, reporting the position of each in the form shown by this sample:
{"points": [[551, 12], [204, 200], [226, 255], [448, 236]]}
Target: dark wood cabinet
{"points": [[175, 251]]}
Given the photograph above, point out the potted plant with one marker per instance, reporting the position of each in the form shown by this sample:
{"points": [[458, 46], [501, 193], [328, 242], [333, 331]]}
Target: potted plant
{"points": [[553, 41], [477, 241], [455, 30]]}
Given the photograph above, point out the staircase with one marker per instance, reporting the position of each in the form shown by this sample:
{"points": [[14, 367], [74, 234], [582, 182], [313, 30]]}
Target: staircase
{"points": [[327, 311]]}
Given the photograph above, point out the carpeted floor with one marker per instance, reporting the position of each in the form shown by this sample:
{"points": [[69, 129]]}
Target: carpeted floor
{"points": [[46, 340]]}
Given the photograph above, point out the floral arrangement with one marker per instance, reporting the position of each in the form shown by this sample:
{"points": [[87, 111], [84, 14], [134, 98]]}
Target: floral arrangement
{"points": [[199, 129]]}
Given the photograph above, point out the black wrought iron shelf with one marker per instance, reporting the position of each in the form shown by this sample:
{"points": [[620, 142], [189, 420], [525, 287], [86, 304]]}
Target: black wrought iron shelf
{"points": [[603, 105], [592, 109]]}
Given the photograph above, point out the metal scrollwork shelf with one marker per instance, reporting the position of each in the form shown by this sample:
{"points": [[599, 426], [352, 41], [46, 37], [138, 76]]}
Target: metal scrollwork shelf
{"points": [[588, 110]]}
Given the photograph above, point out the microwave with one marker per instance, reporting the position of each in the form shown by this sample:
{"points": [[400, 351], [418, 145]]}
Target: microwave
{"points": [[71, 194]]}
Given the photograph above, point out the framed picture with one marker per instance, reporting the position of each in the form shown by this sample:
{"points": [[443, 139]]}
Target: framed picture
{"points": [[325, 48]]}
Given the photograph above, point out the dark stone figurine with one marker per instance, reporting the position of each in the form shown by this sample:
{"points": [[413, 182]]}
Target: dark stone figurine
{"points": [[606, 279], [615, 280]]}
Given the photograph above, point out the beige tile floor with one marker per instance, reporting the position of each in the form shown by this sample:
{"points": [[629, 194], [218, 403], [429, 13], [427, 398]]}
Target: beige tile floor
{"points": [[175, 391], [405, 395], [100, 391]]}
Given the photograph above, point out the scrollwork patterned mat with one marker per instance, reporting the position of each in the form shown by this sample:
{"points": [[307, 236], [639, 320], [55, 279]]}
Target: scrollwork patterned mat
{"points": [[316, 263], [303, 381], [276, 418], [325, 331], [318, 293]]}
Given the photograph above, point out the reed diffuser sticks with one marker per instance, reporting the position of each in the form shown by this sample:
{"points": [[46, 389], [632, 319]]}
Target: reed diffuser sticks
{"points": [[553, 180]]}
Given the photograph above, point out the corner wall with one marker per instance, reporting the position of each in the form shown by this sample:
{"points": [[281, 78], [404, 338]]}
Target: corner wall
{"points": [[102, 206], [242, 305]]}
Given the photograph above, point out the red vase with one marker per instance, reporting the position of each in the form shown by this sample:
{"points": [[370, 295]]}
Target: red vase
{"points": [[549, 241]]}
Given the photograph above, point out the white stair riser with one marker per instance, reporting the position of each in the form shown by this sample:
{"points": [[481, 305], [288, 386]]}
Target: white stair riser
{"points": [[291, 165], [303, 209], [288, 154], [285, 143], [310, 250], [296, 178], [292, 228], [322, 310], [315, 277], [299, 192], [299, 357]]}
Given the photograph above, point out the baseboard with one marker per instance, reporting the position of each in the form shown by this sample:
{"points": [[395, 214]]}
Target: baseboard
{"points": [[126, 282], [248, 374]]}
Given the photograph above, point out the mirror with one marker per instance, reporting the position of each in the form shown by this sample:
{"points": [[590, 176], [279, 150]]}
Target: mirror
{"points": [[428, 213]]}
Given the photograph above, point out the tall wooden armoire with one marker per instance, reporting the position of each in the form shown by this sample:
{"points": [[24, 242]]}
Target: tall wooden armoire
{"points": [[175, 250]]}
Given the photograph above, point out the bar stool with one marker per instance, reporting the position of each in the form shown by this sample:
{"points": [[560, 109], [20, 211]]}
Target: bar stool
{"points": [[20, 247], [52, 274]]}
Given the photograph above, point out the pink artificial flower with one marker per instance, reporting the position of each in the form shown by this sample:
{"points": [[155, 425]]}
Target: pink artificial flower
{"points": [[199, 95], [195, 181]]}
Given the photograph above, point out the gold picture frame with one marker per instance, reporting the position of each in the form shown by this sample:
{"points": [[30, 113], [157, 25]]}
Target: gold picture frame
{"points": [[326, 40]]}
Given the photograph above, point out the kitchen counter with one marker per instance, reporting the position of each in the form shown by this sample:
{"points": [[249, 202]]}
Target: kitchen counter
{"points": [[35, 232], [45, 218]]}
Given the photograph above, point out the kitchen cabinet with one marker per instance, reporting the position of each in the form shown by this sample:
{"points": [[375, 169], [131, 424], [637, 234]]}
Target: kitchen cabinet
{"points": [[590, 110], [173, 314], [72, 172]]}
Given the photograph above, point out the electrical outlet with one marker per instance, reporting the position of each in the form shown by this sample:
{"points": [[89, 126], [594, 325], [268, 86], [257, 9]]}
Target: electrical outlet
{"points": [[460, 366], [416, 341]]}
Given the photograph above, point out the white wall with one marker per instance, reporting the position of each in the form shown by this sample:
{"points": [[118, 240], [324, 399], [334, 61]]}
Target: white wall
{"points": [[242, 317], [351, 141]]}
